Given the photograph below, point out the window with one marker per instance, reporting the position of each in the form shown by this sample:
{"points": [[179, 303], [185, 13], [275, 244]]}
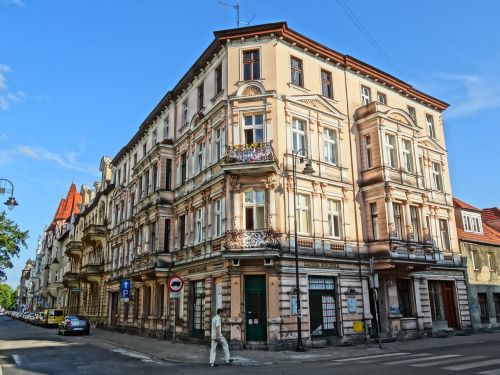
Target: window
{"points": [[476, 264], [368, 152], [299, 136], [251, 65], [390, 146], [119, 177], [374, 220], [218, 79], [491, 261], [407, 156], [404, 297], [430, 126], [218, 218], [330, 144], [182, 231], [201, 93], [437, 178], [398, 220], [415, 223], [297, 75], [166, 238], [482, 300], [366, 96], [155, 177], [145, 181], [184, 112], [144, 149], [200, 157], [302, 213], [496, 301], [183, 167], [412, 113], [198, 232], [253, 129], [381, 98], [445, 236], [334, 222], [125, 172], [146, 307], [436, 301], [166, 127], [152, 230], [154, 137], [220, 147], [326, 84], [472, 222], [254, 209], [160, 300], [135, 159], [168, 175]]}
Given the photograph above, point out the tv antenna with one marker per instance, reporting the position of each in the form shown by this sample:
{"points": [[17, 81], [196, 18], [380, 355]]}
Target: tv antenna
{"points": [[237, 7]]}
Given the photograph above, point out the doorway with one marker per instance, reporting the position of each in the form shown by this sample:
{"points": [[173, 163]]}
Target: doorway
{"points": [[255, 308], [114, 308]]}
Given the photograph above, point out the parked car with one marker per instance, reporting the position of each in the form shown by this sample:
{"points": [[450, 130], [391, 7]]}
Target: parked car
{"points": [[30, 317], [24, 316], [74, 324], [53, 317], [39, 319]]}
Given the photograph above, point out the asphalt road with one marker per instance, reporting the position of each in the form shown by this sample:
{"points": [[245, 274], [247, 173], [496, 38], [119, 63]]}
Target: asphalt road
{"points": [[26, 349]]}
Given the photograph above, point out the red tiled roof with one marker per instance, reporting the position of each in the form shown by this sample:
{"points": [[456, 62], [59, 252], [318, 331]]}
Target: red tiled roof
{"points": [[490, 214], [457, 203], [490, 235], [68, 206]]}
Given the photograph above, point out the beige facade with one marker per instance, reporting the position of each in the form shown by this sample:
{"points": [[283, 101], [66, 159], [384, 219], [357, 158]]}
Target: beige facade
{"points": [[204, 190]]}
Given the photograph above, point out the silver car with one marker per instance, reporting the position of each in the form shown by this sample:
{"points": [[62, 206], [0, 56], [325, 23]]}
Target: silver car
{"points": [[74, 324]]}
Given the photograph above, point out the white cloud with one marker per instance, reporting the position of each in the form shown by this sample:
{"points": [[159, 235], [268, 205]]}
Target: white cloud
{"points": [[7, 98], [66, 161], [4, 69], [480, 93], [17, 3]]}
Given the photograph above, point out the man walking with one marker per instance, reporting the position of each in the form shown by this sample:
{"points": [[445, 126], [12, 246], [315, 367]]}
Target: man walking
{"points": [[218, 338]]}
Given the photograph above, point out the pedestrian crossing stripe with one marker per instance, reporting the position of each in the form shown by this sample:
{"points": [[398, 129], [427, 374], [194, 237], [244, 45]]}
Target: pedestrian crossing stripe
{"points": [[370, 356], [469, 366], [445, 361], [413, 359], [491, 372]]}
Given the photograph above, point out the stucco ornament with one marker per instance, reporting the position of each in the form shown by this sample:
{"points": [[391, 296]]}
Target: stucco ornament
{"points": [[485, 275]]}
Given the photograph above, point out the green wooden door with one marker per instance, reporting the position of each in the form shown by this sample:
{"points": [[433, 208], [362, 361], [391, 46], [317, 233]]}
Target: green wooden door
{"points": [[255, 308]]}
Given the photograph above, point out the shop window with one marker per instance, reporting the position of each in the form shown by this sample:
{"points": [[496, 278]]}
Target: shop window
{"points": [[322, 306], [198, 308], [404, 297], [496, 300], [482, 300]]}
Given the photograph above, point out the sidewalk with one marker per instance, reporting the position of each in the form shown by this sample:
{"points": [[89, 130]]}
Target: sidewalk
{"points": [[198, 354]]}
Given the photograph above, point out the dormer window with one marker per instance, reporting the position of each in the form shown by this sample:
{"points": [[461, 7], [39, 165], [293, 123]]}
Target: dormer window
{"points": [[472, 222]]}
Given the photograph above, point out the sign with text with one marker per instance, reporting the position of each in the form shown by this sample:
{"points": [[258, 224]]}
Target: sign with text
{"points": [[175, 295], [125, 288]]}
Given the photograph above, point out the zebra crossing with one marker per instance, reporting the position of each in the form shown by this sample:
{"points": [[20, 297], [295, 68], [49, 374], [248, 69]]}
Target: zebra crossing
{"points": [[477, 364]]}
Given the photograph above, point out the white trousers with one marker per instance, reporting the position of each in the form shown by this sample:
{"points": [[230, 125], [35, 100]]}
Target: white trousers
{"points": [[213, 349]]}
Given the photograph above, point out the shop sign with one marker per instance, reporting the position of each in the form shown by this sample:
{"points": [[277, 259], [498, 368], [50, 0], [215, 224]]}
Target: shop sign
{"points": [[321, 265], [352, 305], [358, 326]]}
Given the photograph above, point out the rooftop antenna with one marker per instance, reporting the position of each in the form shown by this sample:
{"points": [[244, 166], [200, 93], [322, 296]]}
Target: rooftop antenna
{"points": [[235, 6]]}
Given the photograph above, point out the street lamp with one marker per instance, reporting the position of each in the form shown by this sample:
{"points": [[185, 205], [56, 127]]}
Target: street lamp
{"points": [[11, 202], [308, 169]]}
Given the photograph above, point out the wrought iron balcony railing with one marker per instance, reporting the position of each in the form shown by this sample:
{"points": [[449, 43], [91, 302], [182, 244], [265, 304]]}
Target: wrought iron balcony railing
{"points": [[250, 153], [252, 239]]}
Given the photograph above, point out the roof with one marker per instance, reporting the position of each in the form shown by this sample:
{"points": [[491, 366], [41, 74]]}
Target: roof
{"points": [[69, 205], [280, 30], [490, 214], [457, 203]]}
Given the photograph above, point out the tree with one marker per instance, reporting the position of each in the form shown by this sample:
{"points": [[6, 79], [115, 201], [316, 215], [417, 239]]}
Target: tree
{"points": [[8, 297], [11, 240]]}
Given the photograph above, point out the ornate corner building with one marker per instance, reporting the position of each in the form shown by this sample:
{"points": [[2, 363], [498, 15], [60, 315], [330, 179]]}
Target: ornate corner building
{"points": [[205, 190]]}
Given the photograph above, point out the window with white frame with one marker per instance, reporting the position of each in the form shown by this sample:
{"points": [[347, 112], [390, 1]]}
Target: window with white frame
{"points": [[253, 129], [390, 147], [366, 96], [254, 209], [407, 155], [154, 137], [430, 126], [398, 220], [302, 214], [437, 178], [334, 218], [472, 222], [299, 136], [185, 109], [381, 98], [166, 127], [412, 113], [415, 222], [198, 230], [368, 151], [200, 156], [374, 220], [220, 147], [218, 217], [330, 146], [445, 235]]}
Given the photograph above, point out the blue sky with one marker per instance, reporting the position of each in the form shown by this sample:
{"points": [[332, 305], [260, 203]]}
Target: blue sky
{"points": [[78, 77]]}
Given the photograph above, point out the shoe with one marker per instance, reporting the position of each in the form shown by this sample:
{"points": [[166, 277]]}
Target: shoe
{"points": [[213, 364], [229, 362]]}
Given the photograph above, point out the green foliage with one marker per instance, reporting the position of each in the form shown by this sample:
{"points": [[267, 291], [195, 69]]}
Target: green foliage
{"points": [[11, 240], [7, 297]]}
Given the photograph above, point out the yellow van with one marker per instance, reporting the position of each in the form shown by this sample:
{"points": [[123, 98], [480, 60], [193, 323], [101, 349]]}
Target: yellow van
{"points": [[53, 317]]}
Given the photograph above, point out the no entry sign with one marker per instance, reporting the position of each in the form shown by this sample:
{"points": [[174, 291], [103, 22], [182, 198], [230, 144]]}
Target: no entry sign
{"points": [[175, 284]]}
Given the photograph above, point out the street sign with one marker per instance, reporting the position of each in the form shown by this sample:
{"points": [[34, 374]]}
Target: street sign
{"points": [[175, 295], [175, 284], [125, 288], [77, 290]]}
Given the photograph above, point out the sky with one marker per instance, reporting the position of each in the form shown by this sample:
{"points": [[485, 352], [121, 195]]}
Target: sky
{"points": [[78, 77]]}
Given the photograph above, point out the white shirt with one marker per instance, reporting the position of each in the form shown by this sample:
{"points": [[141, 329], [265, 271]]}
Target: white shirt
{"points": [[216, 323]]}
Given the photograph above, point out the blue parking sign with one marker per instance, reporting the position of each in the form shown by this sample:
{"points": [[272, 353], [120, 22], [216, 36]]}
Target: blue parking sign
{"points": [[125, 288]]}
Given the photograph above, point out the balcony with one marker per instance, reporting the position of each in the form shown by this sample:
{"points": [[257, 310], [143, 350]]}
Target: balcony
{"points": [[253, 158], [73, 248], [246, 239], [70, 279], [91, 270], [94, 232]]}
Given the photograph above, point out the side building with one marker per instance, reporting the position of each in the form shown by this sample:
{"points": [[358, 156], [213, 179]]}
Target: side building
{"points": [[480, 243], [205, 190]]}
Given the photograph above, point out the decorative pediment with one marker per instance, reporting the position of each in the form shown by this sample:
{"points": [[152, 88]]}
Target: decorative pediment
{"points": [[430, 144], [316, 102], [251, 88], [401, 117]]}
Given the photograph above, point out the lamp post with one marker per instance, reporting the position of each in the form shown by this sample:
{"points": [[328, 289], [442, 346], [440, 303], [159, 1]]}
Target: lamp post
{"points": [[11, 202], [308, 169]]}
